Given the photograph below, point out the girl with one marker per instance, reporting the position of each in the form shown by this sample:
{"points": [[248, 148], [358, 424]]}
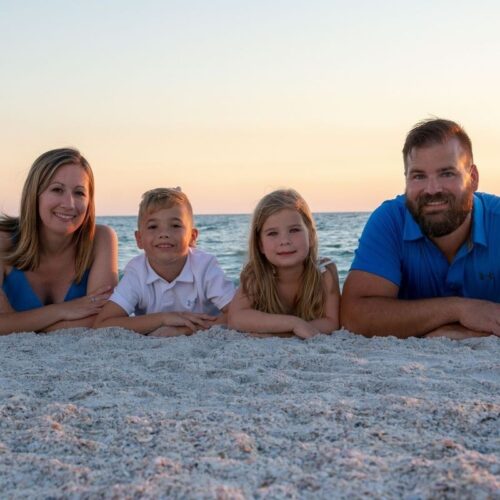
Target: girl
{"points": [[57, 267], [282, 289]]}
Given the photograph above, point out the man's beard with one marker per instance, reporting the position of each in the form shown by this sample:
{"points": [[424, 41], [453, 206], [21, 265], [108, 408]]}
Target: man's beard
{"points": [[446, 221]]}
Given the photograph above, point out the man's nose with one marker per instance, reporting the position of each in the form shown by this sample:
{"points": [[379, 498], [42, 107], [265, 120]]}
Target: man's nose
{"points": [[433, 185]]}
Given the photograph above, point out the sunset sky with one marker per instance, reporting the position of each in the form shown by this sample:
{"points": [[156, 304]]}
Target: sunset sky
{"points": [[230, 100]]}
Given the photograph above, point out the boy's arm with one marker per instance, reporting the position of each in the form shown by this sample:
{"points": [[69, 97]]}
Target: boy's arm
{"points": [[114, 315], [330, 322]]}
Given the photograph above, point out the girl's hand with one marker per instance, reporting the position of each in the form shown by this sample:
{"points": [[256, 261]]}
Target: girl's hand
{"points": [[304, 330], [194, 321], [89, 305]]}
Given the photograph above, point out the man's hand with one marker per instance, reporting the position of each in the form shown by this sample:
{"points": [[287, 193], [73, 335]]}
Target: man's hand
{"points": [[455, 332]]}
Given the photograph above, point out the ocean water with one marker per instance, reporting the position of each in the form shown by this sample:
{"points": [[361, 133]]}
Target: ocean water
{"points": [[226, 236]]}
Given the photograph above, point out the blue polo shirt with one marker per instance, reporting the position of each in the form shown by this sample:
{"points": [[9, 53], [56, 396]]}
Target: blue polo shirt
{"points": [[392, 246]]}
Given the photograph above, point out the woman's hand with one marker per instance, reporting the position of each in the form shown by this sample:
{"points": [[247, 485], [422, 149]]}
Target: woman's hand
{"points": [[89, 305]]}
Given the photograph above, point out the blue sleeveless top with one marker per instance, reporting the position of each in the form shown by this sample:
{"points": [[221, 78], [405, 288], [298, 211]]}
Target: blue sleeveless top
{"points": [[22, 297]]}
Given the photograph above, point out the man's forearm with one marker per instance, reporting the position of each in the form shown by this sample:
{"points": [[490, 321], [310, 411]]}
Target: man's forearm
{"points": [[384, 316]]}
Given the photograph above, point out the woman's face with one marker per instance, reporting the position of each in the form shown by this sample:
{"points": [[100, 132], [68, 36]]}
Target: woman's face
{"points": [[62, 206]]}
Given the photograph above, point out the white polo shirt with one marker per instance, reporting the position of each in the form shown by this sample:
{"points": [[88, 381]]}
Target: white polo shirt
{"points": [[201, 287]]}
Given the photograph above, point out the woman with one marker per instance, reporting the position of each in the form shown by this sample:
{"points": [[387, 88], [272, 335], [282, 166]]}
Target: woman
{"points": [[57, 267]]}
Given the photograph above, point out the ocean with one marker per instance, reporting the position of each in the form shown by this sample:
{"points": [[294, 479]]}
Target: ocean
{"points": [[226, 236]]}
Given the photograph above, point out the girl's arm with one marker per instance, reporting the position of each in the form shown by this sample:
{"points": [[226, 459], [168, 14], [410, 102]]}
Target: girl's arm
{"points": [[331, 320], [242, 317], [114, 315]]}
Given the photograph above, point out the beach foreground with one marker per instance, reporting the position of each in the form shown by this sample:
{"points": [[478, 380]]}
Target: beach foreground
{"points": [[111, 414]]}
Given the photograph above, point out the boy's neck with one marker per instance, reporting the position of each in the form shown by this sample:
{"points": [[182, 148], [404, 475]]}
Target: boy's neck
{"points": [[169, 272]]}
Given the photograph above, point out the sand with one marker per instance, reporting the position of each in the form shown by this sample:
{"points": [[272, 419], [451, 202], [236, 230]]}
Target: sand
{"points": [[111, 414]]}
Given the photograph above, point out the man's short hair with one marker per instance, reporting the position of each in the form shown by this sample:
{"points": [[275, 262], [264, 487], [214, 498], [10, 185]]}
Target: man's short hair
{"points": [[435, 131], [156, 199]]}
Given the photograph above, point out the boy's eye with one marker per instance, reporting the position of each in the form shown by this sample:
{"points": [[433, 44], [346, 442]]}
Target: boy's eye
{"points": [[152, 226]]}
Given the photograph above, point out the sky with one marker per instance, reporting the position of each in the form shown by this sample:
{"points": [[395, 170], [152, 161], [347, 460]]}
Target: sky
{"points": [[231, 100]]}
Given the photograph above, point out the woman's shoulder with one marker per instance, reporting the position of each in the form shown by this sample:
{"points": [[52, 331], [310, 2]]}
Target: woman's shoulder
{"points": [[105, 235]]}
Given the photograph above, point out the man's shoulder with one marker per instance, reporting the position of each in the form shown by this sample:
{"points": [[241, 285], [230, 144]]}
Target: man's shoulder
{"points": [[491, 203], [391, 211]]}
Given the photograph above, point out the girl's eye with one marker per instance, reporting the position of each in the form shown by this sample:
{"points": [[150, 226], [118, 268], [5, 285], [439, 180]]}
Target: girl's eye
{"points": [[57, 190], [295, 229], [80, 193]]}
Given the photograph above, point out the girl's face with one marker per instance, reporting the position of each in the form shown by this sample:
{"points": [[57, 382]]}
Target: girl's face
{"points": [[62, 206], [284, 239]]}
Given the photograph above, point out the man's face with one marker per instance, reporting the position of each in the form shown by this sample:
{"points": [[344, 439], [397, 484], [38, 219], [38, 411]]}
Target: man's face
{"points": [[440, 182]]}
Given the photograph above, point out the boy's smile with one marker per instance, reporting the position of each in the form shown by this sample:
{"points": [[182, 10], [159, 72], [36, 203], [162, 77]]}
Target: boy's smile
{"points": [[165, 235]]}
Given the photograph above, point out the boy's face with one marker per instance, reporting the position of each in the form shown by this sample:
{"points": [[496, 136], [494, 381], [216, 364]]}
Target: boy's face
{"points": [[166, 234]]}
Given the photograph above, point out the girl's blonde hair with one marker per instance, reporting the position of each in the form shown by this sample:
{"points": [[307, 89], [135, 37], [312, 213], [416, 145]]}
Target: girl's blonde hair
{"points": [[258, 278], [25, 252]]}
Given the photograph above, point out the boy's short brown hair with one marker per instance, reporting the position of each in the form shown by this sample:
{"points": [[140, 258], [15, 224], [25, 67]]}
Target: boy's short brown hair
{"points": [[158, 198]]}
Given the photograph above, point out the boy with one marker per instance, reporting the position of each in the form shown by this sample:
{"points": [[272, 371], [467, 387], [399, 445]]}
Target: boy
{"points": [[172, 288]]}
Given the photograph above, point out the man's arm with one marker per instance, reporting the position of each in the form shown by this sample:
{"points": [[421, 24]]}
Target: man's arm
{"points": [[370, 307]]}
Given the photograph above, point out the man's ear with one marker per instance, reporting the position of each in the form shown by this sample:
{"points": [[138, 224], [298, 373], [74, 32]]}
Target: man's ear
{"points": [[138, 239], [194, 236], [474, 176]]}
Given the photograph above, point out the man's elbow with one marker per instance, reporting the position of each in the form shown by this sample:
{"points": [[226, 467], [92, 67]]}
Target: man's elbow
{"points": [[353, 321]]}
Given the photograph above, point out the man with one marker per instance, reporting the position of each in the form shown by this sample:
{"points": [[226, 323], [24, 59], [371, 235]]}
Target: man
{"points": [[428, 262]]}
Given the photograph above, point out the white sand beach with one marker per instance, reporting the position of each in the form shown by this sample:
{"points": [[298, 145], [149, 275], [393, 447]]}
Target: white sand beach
{"points": [[111, 414]]}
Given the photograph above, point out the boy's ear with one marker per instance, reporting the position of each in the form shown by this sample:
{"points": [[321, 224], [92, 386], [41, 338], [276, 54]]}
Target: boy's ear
{"points": [[194, 236], [138, 239]]}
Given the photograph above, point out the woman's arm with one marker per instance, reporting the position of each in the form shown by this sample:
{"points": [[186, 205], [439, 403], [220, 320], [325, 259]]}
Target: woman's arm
{"points": [[331, 320], [74, 313], [242, 317], [103, 277]]}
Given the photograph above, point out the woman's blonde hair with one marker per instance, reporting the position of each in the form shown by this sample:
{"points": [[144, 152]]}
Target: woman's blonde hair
{"points": [[25, 252], [258, 278]]}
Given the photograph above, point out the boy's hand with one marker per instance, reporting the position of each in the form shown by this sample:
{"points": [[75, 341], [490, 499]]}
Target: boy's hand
{"points": [[170, 331], [194, 321]]}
